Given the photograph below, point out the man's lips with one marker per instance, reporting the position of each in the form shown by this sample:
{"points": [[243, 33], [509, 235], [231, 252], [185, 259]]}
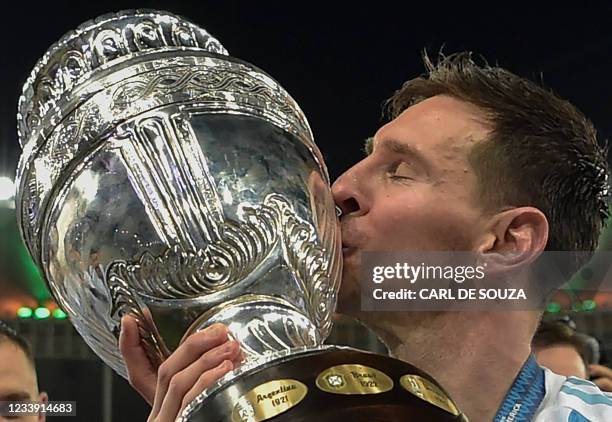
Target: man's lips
{"points": [[350, 238]]}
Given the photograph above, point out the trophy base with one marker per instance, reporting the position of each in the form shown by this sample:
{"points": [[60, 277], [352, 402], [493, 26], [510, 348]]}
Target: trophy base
{"points": [[326, 385]]}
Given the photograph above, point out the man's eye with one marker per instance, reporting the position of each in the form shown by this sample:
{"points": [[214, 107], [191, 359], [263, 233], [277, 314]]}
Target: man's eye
{"points": [[401, 170]]}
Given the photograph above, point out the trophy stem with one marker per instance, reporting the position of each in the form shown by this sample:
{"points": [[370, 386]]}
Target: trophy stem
{"points": [[262, 325]]}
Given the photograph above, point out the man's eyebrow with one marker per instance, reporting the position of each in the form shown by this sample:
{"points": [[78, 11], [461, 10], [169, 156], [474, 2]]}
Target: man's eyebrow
{"points": [[397, 147], [18, 396]]}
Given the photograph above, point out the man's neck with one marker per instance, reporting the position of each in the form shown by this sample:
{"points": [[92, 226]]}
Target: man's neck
{"points": [[475, 356]]}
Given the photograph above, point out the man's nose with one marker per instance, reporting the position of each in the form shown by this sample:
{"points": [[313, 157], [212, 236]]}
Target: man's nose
{"points": [[349, 193]]}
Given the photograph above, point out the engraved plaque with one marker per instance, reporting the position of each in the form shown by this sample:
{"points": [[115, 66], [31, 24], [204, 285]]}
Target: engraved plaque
{"points": [[268, 400], [354, 379]]}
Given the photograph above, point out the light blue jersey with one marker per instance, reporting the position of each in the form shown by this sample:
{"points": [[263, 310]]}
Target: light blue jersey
{"points": [[573, 400]]}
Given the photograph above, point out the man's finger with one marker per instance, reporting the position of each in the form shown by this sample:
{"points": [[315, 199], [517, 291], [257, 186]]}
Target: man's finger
{"points": [[207, 379], [184, 380], [604, 384], [141, 374], [193, 349], [173, 401], [598, 371]]}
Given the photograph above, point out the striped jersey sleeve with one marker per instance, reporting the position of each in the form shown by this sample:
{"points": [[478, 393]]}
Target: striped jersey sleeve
{"points": [[573, 400]]}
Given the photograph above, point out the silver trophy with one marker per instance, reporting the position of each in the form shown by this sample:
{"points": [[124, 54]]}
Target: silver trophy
{"points": [[163, 178]]}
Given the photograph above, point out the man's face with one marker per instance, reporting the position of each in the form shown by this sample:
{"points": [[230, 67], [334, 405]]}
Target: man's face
{"points": [[415, 190], [17, 378], [562, 359]]}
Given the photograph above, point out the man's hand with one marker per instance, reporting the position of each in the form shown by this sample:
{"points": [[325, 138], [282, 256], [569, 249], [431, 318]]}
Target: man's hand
{"points": [[602, 376], [197, 363]]}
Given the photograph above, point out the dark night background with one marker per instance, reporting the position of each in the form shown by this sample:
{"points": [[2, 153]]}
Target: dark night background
{"points": [[340, 62]]}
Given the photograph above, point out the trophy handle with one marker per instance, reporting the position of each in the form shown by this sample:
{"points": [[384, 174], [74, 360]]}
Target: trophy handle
{"points": [[125, 302]]}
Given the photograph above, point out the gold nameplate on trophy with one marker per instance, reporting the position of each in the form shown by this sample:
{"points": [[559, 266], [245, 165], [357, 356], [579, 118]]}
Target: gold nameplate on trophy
{"points": [[353, 379], [268, 400], [429, 392]]}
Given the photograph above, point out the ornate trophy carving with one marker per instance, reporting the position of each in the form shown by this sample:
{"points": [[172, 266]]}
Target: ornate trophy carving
{"points": [[162, 178]]}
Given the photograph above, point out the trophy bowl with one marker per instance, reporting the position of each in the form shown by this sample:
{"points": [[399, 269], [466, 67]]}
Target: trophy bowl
{"points": [[162, 178]]}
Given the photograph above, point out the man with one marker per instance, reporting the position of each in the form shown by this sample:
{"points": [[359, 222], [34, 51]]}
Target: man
{"points": [[474, 159], [17, 373], [558, 347]]}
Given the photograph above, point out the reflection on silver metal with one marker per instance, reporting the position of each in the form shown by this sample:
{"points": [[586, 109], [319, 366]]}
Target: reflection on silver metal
{"points": [[162, 178], [338, 211]]}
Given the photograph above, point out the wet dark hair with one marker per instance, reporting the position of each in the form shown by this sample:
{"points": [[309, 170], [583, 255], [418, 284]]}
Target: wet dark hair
{"points": [[541, 151]]}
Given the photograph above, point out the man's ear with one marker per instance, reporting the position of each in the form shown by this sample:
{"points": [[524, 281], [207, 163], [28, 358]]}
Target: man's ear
{"points": [[42, 398], [514, 239]]}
